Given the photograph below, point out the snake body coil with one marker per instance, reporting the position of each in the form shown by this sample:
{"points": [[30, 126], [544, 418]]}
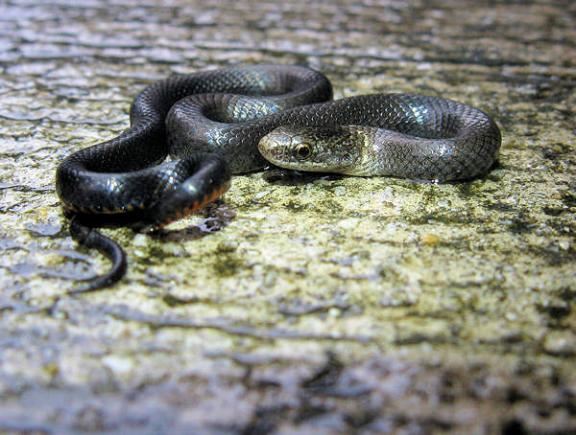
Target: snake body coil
{"points": [[236, 120]]}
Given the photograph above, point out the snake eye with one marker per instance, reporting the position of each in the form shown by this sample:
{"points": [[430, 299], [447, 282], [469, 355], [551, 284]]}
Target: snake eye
{"points": [[302, 151]]}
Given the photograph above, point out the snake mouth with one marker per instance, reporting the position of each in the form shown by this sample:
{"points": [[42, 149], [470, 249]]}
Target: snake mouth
{"points": [[276, 145]]}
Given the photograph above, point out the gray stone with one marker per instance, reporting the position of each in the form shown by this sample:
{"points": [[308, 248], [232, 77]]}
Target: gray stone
{"points": [[333, 305]]}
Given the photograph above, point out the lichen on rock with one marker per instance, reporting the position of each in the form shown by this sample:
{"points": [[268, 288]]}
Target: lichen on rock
{"points": [[297, 304]]}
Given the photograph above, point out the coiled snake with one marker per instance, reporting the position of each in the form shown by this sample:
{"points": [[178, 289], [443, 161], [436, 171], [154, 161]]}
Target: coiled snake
{"points": [[236, 120]]}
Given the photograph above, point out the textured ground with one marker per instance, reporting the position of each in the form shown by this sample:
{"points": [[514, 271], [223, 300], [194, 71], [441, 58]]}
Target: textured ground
{"points": [[337, 305]]}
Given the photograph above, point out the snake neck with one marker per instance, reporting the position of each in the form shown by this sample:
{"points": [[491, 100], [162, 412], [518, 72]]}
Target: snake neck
{"points": [[368, 157]]}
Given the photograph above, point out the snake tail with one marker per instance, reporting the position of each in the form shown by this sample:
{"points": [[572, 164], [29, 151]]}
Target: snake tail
{"points": [[207, 179], [93, 239]]}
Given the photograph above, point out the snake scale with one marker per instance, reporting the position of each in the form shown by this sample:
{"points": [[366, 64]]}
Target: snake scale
{"points": [[236, 120]]}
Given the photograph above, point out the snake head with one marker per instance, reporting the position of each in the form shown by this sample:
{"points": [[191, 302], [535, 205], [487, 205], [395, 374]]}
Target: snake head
{"points": [[316, 149]]}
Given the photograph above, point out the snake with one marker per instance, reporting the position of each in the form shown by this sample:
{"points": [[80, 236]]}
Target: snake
{"points": [[190, 133]]}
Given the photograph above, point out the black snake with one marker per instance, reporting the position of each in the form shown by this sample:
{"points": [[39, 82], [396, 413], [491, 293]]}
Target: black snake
{"points": [[236, 120]]}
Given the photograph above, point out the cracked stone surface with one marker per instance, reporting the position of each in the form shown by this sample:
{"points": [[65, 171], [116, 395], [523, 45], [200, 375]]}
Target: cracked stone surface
{"points": [[323, 305]]}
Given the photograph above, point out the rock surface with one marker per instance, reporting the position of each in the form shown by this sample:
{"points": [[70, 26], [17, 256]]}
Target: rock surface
{"points": [[332, 305]]}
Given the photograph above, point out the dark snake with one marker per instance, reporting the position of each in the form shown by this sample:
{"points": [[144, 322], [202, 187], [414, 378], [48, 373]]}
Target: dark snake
{"points": [[236, 120]]}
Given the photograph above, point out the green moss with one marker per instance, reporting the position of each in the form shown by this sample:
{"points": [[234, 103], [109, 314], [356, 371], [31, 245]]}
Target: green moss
{"points": [[226, 265]]}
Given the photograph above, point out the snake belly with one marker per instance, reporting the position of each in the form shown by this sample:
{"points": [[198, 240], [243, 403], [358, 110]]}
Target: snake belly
{"points": [[236, 120]]}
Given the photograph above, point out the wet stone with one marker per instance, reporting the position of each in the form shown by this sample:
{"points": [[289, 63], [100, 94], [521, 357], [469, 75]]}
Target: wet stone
{"points": [[299, 304]]}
